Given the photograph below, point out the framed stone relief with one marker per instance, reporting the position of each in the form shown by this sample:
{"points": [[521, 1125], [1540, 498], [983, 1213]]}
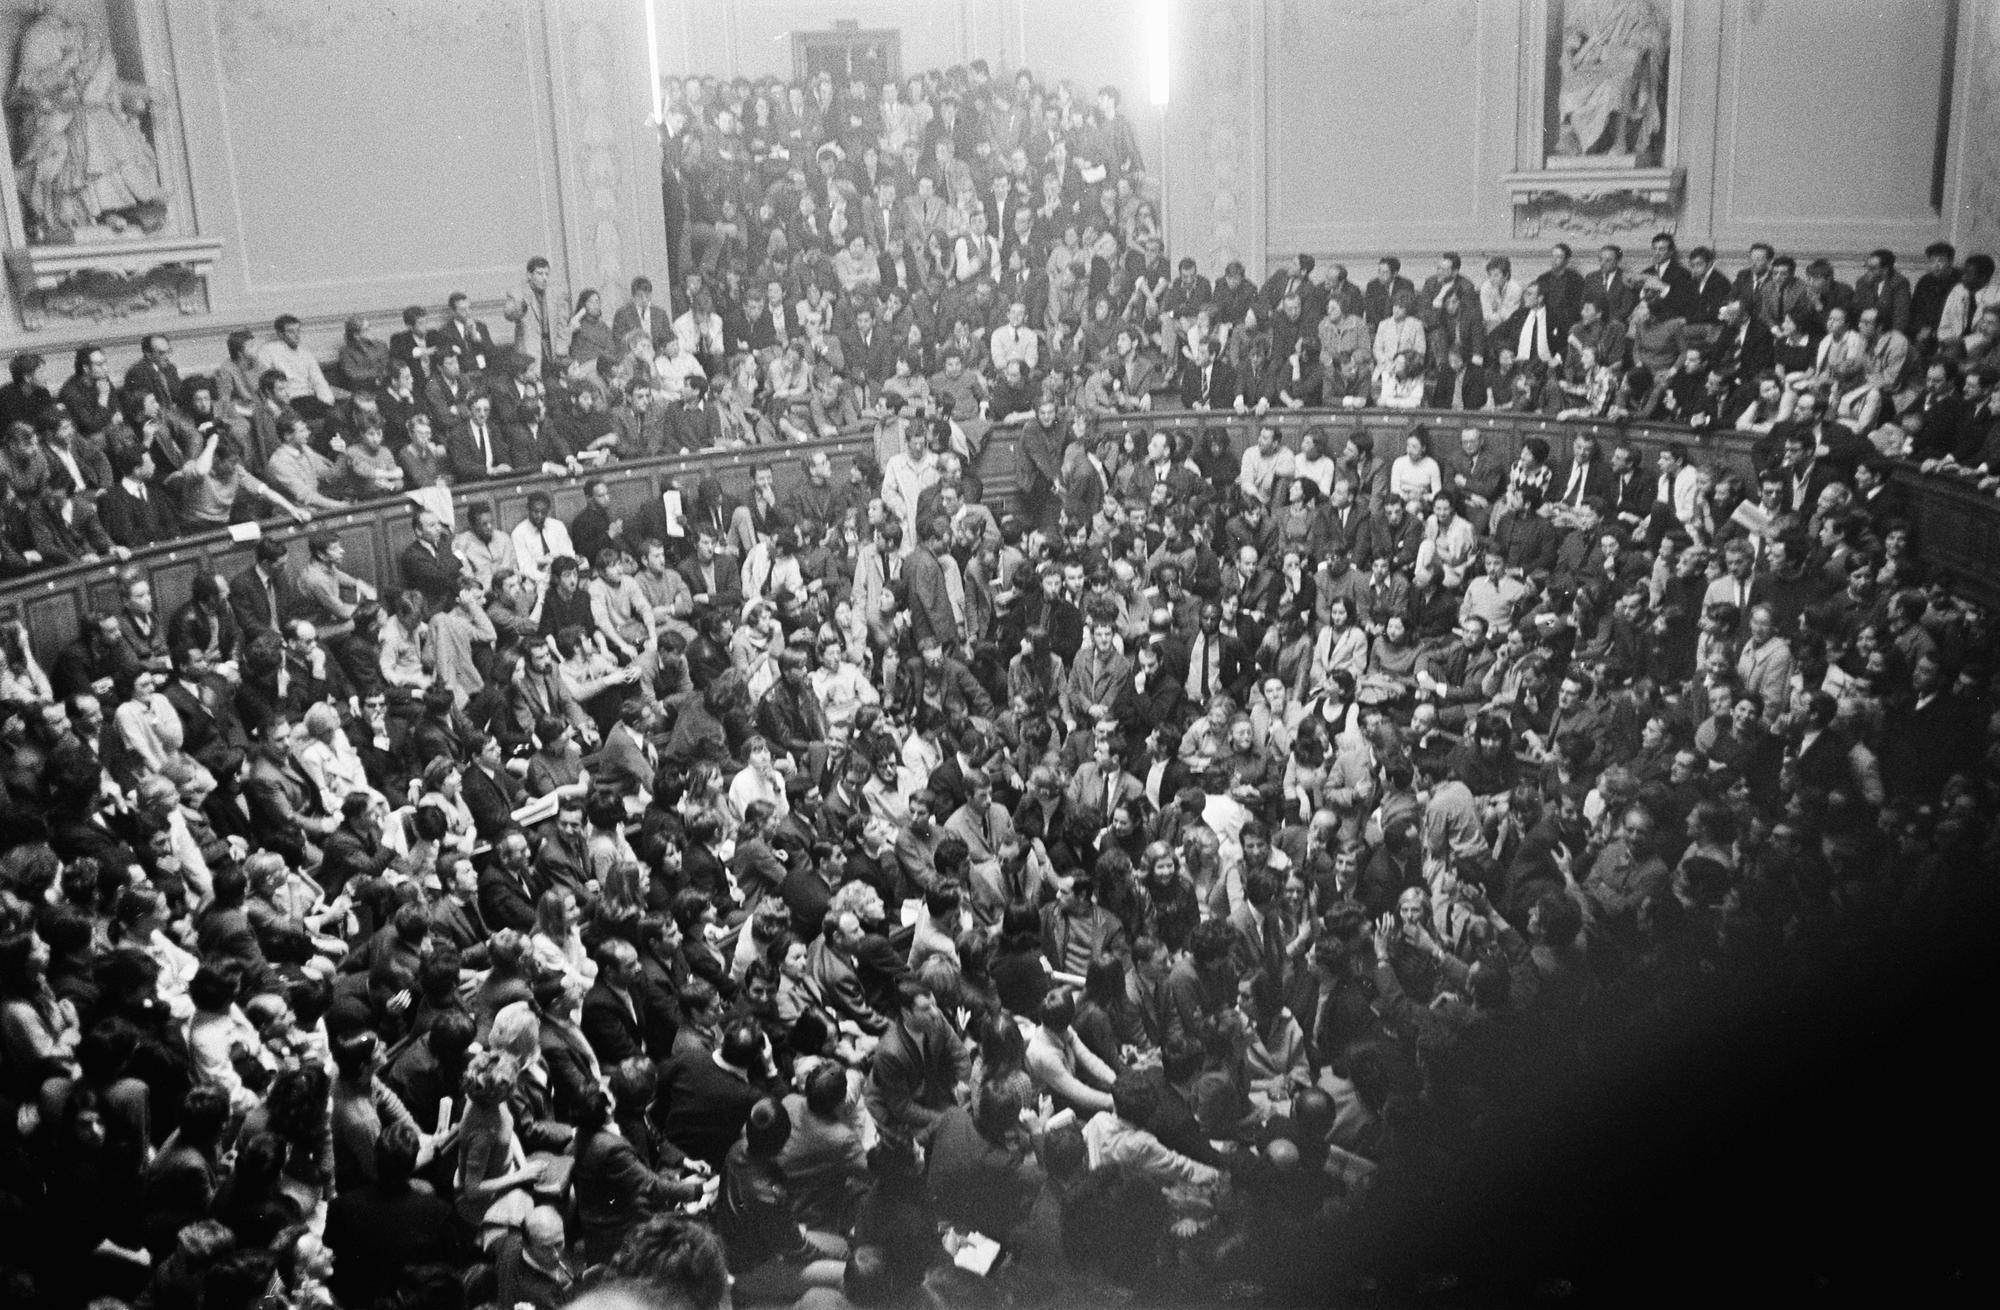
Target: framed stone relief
{"points": [[1596, 136], [98, 224]]}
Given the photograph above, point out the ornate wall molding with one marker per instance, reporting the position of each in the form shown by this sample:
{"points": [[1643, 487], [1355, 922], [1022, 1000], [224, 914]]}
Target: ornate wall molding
{"points": [[95, 283], [1216, 174], [1978, 226]]}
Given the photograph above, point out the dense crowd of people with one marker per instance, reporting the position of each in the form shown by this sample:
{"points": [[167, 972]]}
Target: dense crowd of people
{"points": [[1221, 872]]}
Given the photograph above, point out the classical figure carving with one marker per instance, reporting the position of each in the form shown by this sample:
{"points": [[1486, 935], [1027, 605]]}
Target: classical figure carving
{"points": [[83, 161], [1612, 94]]}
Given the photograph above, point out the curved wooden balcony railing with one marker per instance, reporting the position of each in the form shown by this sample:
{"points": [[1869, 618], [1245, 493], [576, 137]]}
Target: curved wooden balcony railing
{"points": [[53, 603], [1956, 527]]}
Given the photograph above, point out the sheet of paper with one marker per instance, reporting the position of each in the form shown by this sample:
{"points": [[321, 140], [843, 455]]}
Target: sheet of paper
{"points": [[1751, 517], [976, 1254], [670, 501], [246, 531], [438, 501]]}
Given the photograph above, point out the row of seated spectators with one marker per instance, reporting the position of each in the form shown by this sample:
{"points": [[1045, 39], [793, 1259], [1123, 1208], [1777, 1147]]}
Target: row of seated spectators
{"points": [[1289, 885], [1219, 872]]}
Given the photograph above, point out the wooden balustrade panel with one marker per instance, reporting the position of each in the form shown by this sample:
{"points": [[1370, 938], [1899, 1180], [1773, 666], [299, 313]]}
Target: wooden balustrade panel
{"points": [[52, 605]]}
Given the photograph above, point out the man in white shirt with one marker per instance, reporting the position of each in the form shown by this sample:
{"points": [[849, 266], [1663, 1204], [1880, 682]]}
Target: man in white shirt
{"points": [[1014, 340], [1679, 490], [1535, 341], [311, 393], [678, 370], [538, 539], [906, 476], [1262, 467]]}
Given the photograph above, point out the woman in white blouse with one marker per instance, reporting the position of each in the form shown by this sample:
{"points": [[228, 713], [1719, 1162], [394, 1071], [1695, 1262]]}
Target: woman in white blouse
{"points": [[328, 758], [1499, 294], [1342, 644], [148, 727], [1415, 475], [759, 780]]}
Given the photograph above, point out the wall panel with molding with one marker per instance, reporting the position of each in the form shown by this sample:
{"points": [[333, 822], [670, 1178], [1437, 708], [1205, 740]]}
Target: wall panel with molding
{"points": [[353, 156], [1389, 126]]}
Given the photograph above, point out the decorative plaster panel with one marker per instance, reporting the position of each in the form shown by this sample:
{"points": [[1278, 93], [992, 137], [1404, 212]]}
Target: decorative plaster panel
{"points": [[1828, 118], [1215, 175], [1978, 226], [364, 139]]}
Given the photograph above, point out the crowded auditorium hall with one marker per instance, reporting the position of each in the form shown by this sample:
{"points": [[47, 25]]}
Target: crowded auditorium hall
{"points": [[923, 715]]}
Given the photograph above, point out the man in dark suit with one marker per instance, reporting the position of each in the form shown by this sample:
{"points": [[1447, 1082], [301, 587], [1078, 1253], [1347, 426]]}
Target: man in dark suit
{"points": [[264, 595], [696, 423], [614, 1013], [416, 346], [919, 1065], [466, 337], [1632, 491], [867, 349], [1609, 287], [284, 804], [1712, 288], [64, 528], [712, 576], [1668, 282], [155, 374], [508, 889], [448, 394], [1743, 345], [132, 514], [1208, 382], [1217, 662], [474, 449], [490, 791], [1562, 290], [705, 1096], [1535, 332], [430, 565], [1384, 290], [1588, 475], [1258, 933], [641, 313], [925, 598], [1941, 411], [1925, 735]]}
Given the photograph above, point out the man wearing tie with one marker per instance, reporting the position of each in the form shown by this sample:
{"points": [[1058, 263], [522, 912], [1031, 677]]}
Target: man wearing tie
{"points": [[465, 336], [642, 313], [982, 825], [1215, 660], [1529, 330], [1587, 475], [261, 595], [1014, 340], [470, 447], [1739, 585], [538, 539], [1609, 287]]}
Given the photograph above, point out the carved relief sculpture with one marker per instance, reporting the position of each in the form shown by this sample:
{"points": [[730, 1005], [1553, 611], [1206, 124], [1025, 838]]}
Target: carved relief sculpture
{"points": [[1612, 90], [84, 164]]}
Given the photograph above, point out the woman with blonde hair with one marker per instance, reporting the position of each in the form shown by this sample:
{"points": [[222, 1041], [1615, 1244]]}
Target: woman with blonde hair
{"points": [[492, 1164], [148, 728], [329, 758], [557, 941]]}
